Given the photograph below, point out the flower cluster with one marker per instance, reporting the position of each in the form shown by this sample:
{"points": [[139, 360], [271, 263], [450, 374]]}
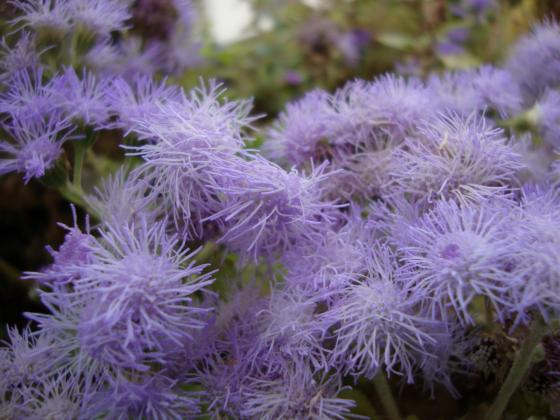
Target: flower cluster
{"points": [[383, 217]]}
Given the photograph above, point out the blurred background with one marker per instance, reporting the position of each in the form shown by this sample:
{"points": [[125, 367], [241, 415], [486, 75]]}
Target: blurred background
{"points": [[273, 51]]}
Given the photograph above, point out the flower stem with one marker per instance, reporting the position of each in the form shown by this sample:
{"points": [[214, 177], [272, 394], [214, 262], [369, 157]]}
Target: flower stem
{"points": [[79, 154], [536, 331], [386, 397]]}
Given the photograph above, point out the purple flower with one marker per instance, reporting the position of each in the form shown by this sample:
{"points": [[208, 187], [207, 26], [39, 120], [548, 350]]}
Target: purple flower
{"points": [[137, 294], [454, 253], [455, 156], [546, 114], [534, 260], [74, 251], [22, 56], [28, 96], [376, 323], [331, 262], [468, 91], [123, 200], [266, 210], [300, 134], [48, 398], [289, 328], [43, 16], [26, 359], [296, 394], [37, 144], [541, 48], [99, 16], [144, 396], [137, 100], [83, 98]]}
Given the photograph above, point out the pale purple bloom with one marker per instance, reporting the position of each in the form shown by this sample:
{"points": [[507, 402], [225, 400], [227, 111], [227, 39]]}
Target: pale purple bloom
{"points": [[29, 96], [468, 91], [546, 113], [535, 259], [22, 56], [266, 210], [541, 48], [99, 16], [296, 394], [455, 253], [145, 396], [50, 16], [82, 97], [137, 292], [290, 328], [455, 156], [376, 323], [36, 145]]}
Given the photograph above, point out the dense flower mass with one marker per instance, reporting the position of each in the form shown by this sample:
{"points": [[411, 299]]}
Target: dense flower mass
{"points": [[383, 228]]}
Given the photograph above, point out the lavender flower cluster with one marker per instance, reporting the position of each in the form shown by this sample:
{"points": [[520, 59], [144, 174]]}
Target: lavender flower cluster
{"points": [[376, 216]]}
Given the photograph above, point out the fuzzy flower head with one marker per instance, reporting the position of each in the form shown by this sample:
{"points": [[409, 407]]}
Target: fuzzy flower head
{"points": [[301, 132], [289, 326], [135, 295], [100, 17], [536, 256], [454, 253], [376, 324], [266, 210], [477, 90], [455, 156], [36, 145], [546, 115], [541, 48], [82, 97], [296, 394], [74, 251], [22, 56], [43, 16]]}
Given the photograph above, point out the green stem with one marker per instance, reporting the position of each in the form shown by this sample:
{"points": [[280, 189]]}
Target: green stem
{"points": [[76, 195], [79, 154], [386, 397], [536, 332]]}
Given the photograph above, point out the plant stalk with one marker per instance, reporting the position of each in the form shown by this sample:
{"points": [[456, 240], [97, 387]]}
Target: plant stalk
{"points": [[385, 395], [520, 366]]}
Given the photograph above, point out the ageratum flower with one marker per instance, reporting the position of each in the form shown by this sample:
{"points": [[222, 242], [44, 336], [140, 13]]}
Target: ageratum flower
{"points": [[22, 56], [455, 156], [136, 295], [138, 100], [48, 398], [546, 114], [74, 251], [541, 48], [290, 328], [469, 91], [535, 258], [455, 253], [301, 132], [82, 97], [376, 324], [123, 200], [100, 17], [26, 358], [36, 145], [297, 394], [332, 261], [153, 396], [188, 144], [28, 96], [43, 16], [265, 210]]}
